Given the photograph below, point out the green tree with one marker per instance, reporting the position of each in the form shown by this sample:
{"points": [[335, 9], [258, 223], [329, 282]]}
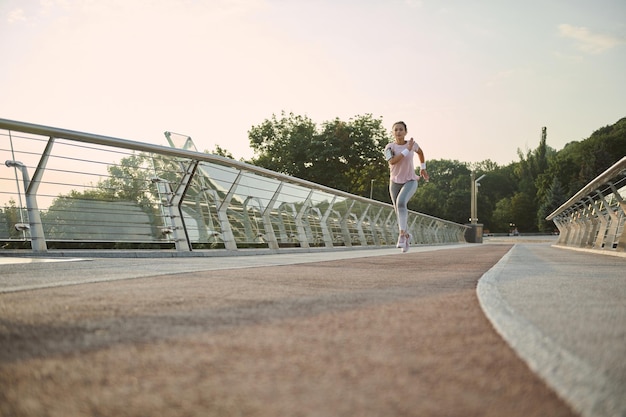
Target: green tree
{"points": [[606, 146], [283, 144], [579, 162], [221, 152], [341, 155], [9, 217], [552, 200], [502, 216], [499, 182], [524, 212], [447, 194], [129, 180], [529, 172]]}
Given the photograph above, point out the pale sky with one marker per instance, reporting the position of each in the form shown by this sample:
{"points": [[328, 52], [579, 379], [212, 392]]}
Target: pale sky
{"points": [[473, 80]]}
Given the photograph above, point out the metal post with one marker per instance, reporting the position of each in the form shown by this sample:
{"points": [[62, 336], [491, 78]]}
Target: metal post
{"points": [[228, 237], [31, 186], [270, 234], [473, 218], [300, 226], [475, 185]]}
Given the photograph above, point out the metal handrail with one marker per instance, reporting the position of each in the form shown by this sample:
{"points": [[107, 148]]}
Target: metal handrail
{"points": [[214, 160], [183, 153], [595, 217], [615, 170]]}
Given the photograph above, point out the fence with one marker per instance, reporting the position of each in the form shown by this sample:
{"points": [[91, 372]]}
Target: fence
{"points": [[594, 218], [92, 191]]}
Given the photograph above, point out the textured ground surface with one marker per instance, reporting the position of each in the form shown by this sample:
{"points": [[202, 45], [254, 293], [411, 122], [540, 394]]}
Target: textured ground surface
{"points": [[398, 335]]}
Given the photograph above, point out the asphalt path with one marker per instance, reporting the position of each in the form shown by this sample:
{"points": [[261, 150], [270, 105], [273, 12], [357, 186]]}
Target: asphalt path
{"points": [[343, 333]]}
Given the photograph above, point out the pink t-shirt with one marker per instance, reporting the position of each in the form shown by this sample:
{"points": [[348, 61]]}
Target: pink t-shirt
{"points": [[404, 170]]}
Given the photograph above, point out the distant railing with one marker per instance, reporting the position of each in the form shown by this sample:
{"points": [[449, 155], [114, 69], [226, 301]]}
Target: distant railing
{"points": [[93, 191], [594, 218]]}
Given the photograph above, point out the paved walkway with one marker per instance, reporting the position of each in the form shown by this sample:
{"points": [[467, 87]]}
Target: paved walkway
{"points": [[343, 333], [564, 312]]}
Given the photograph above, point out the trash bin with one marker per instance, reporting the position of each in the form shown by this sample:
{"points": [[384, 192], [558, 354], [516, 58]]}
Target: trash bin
{"points": [[474, 234]]}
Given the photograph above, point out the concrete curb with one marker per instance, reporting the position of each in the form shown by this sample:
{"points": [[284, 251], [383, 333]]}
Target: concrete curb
{"points": [[587, 390]]}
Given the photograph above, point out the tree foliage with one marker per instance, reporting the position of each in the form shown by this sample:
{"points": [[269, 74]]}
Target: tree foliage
{"points": [[218, 150], [9, 217], [346, 156], [447, 193], [341, 155], [553, 198]]}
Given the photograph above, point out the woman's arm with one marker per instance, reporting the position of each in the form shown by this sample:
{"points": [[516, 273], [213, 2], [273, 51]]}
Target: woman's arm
{"points": [[423, 172], [408, 152]]}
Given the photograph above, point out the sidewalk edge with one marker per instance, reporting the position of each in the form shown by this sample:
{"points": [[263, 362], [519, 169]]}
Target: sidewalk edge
{"points": [[585, 389]]}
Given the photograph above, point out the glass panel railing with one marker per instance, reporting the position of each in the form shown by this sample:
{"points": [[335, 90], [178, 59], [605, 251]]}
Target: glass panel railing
{"points": [[63, 188], [594, 217]]}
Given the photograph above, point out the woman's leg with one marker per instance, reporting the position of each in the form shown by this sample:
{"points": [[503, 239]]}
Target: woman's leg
{"points": [[394, 190], [400, 196]]}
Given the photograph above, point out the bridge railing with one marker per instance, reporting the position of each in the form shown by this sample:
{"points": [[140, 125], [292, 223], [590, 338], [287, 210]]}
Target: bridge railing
{"points": [[67, 189], [594, 217]]}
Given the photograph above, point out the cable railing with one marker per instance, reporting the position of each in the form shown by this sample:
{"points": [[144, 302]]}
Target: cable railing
{"points": [[63, 189], [594, 217]]}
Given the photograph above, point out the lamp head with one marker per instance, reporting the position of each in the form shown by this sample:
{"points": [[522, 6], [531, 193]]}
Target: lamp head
{"points": [[15, 164]]}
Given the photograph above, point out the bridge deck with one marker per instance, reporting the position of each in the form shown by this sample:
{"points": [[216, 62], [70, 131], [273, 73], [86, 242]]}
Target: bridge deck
{"points": [[368, 333]]}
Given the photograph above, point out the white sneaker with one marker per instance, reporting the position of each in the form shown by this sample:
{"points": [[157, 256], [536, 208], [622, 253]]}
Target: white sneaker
{"points": [[401, 242], [407, 243]]}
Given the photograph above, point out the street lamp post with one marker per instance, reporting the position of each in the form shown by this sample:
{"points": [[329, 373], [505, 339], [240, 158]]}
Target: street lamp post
{"points": [[371, 188], [474, 205], [474, 234]]}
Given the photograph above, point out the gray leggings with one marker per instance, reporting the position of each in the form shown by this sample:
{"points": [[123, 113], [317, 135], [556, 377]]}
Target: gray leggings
{"points": [[400, 196]]}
